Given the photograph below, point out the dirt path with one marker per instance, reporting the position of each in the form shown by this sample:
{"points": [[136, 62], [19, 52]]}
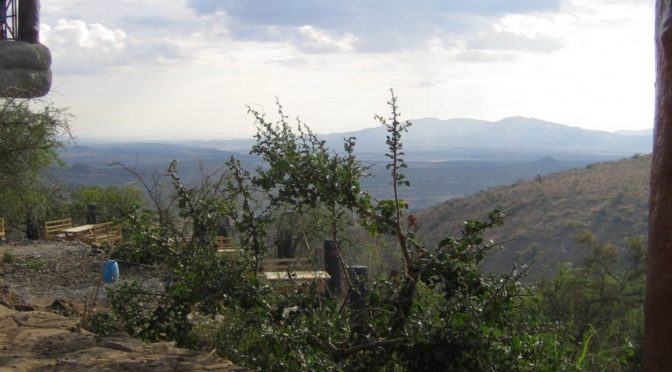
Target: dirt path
{"points": [[42, 291]]}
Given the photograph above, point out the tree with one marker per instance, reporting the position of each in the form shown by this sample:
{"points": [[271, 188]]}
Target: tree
{"points": [[601, 302], [438, 312], [113, 202], [31, 132], [658, 323]]}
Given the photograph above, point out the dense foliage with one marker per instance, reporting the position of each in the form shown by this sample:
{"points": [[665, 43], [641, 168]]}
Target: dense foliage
{"points": [[438, 311], [31, 132], [601, 302]]}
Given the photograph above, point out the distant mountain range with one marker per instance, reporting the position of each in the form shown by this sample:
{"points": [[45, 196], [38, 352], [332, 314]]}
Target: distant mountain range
{"points": [[514, 138], [447, 158]]}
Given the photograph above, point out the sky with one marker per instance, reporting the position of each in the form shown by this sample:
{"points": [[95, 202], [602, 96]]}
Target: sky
{"points": [[173, 69]]}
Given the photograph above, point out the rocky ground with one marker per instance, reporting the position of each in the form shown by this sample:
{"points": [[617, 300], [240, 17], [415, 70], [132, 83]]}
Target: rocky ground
{"points": [[43, 286]]}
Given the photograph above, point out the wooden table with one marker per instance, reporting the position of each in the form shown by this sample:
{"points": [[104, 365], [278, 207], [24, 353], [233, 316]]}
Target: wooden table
{"points": [[282, 281], [78, 232]]}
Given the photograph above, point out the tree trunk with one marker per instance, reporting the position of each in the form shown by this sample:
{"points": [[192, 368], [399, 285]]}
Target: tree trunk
{"points": [[658, 302]]}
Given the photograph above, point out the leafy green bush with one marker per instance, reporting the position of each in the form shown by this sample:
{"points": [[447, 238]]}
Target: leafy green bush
{"points": [[113, 203], [31, 132], [601, 300]]}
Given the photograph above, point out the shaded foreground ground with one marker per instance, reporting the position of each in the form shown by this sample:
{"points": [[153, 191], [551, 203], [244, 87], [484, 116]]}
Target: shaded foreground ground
{"points": [[42, 290]]}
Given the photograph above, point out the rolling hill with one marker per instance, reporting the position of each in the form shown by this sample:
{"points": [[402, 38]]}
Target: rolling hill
{"points": [[609, 199]]}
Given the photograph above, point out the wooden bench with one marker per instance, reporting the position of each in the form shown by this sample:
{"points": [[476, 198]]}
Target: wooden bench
{"points": [[53, 230], [103, 232], [227, 246], [2, 228], [282, 272]]}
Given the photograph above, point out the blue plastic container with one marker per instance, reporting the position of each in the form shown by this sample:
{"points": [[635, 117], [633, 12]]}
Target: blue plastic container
{"points": [[110, 271]]}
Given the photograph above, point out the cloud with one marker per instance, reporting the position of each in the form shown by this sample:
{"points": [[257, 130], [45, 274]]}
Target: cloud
{"points": [[312, 39], [369, 26], [79, 34], [81, 47]]}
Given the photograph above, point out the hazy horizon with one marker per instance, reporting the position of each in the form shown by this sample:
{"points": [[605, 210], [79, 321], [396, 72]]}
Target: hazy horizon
{"points": [[129, 69], [185, 136]]}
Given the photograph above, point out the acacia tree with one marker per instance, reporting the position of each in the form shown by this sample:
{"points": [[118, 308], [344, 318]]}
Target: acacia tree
{"points": [[31, 132]]}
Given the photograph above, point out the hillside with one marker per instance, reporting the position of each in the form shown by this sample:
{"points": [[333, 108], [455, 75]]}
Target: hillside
{"points": [[433, 182], [609, 199]]}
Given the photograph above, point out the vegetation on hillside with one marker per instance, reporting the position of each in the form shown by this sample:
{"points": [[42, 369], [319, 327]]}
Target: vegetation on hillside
{"points": [[547, 213], [31, 132], [436, 310]]}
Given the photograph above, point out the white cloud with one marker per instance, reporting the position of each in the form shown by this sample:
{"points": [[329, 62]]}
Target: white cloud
{"points": [[314, 39], [158, 65], [79, 34]]}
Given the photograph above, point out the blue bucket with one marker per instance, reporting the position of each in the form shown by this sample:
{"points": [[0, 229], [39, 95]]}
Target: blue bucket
{"points": [[110, 271]]}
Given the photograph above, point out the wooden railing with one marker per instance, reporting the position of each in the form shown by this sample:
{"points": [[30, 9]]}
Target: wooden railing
{"points": [[104, 232], [54, 229], [227, 246]]}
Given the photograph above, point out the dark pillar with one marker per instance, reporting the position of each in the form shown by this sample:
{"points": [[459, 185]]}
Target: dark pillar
{"points": [[359, 316], [29, 21], [3, 20], [658, 301], [285, 245], [91, 214], [32, 227], [333, 267], [223, 227]]}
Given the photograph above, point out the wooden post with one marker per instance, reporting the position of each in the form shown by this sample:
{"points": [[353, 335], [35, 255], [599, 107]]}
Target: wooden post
{"points": [[32, 228], [332, 265], [285, 244], [29, 21], [658, 301], [357, 299], [91, 214]]}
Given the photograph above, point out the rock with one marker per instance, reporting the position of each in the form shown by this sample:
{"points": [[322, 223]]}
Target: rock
{"points": [[43, 340], [64, 307], [24, 307]]}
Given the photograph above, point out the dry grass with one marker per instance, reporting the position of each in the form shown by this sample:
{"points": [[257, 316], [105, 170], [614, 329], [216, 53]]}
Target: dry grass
{"points": [[610, 199]]}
